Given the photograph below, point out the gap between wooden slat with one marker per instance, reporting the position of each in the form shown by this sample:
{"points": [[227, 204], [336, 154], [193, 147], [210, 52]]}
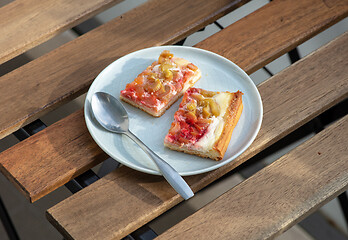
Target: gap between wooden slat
{"points": [[291, 98]]}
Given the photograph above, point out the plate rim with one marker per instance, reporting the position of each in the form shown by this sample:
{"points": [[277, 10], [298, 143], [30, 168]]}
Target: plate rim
{"points": [[186, 173]]}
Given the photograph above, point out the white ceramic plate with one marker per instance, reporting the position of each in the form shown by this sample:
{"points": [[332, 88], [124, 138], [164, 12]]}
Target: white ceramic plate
{"points": [[218, 74]]}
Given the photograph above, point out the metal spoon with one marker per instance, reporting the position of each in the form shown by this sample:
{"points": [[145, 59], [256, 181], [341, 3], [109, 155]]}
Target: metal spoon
{"points": [[111, 114]]}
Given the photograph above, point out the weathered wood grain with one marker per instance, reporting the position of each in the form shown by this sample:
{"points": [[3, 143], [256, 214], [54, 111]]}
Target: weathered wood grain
{"points": [[290, 99], [63, 74], [278, 196], [27, 23]]}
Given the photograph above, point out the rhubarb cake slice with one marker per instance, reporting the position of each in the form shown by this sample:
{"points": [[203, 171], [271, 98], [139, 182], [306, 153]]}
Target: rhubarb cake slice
{"points": [[161, 84], [204, 123]]}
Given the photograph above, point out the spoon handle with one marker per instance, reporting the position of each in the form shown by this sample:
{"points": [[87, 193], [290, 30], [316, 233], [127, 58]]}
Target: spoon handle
{"points": [[168, 172]]}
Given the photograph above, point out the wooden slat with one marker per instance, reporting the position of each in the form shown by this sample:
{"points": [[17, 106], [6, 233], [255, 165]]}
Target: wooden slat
{"points": [[65, 73], [278, 196], [27, 23], [290, 99], [56, 165], [47, 176]]}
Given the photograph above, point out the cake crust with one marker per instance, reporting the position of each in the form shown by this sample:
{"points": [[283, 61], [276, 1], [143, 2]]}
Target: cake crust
{"points": [[231, 119], [149, 110]]}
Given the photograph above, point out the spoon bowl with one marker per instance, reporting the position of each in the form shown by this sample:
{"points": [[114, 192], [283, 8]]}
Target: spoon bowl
{"points": [[111, 115], [109, 112]]}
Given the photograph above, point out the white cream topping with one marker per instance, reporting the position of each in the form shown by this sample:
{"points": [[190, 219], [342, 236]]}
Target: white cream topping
{"points": [[156, 68], [180, 61], [215, 128], [208, 139]]}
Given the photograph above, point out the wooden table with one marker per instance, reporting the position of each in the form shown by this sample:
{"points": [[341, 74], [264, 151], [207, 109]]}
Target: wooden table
{"points": [[263, 206]]}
